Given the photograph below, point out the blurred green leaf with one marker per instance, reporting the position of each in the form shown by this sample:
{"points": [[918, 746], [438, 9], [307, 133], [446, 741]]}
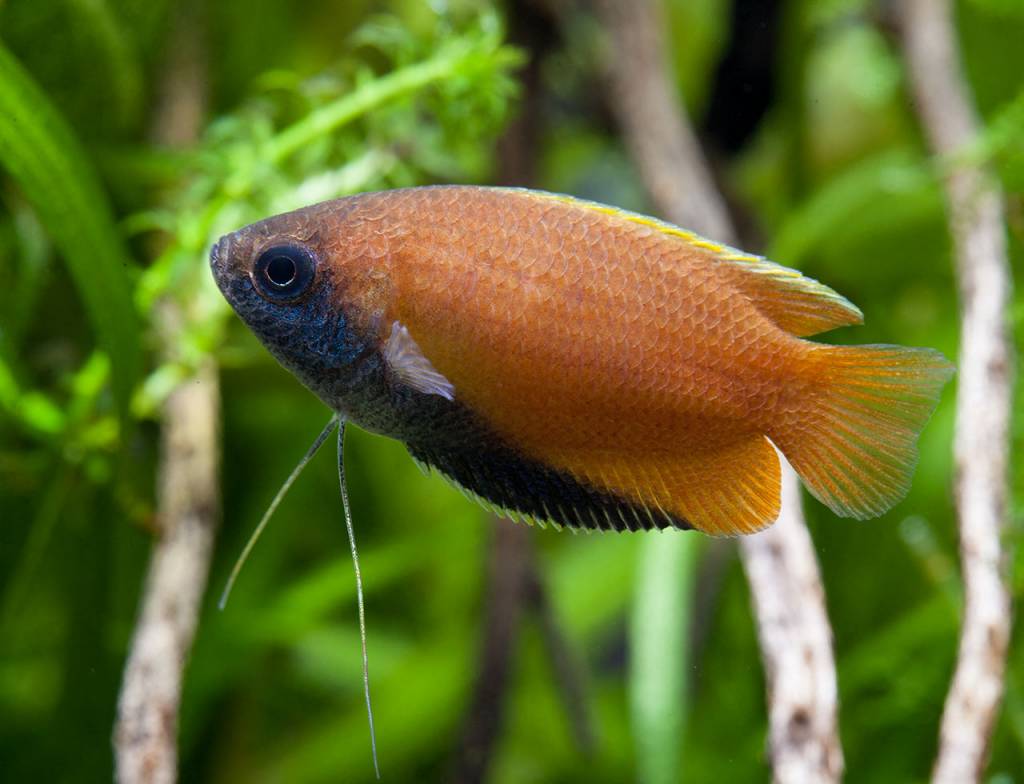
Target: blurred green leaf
{"points": [[1001, 143], [459, 57], [1010, 8], [41, 153], [867, 188], [695, 28], [91, 58], [659, 660], [33, 253], [321, 592], [413, 716], [33, 409]]}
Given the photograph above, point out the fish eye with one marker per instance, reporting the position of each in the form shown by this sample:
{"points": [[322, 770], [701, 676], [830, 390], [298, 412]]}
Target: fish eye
{"points": [[283, 272]]}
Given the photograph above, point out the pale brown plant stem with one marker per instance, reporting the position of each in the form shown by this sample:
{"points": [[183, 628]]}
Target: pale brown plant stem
{"points": [[785, 584], [981, 448], [510, 557], [188, 497]]}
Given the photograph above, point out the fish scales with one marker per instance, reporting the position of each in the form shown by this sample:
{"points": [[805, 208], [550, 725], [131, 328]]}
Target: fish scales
{"points": [[592, 382], [627, 355], [563, 355]]}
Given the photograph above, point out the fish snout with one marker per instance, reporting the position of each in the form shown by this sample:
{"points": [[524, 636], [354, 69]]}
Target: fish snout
{"points": [[219, 255]]}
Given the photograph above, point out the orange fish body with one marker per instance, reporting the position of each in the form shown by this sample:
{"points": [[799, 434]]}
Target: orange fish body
{"points": [[619, 372]]}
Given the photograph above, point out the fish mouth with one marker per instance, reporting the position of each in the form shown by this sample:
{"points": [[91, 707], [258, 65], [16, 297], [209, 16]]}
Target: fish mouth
{"points": [[219, 255]]}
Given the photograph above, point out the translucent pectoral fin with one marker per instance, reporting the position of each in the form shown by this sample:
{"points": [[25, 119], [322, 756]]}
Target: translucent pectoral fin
{"points": [[411, 367]]}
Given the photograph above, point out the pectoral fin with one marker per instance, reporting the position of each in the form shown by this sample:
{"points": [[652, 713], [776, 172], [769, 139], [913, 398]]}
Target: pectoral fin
{"points": [[411, 367]]}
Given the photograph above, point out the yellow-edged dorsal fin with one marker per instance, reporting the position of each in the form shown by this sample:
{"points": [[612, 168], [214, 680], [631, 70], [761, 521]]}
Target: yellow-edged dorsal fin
{"points": [[796, 303], [800, 305]]}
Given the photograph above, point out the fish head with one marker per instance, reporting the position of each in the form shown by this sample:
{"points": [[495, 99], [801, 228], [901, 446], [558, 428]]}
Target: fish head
{"points": [[306, 286]]}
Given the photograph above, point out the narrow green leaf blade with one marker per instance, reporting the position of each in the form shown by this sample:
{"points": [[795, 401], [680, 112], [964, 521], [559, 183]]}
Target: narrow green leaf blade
{"points": [[662, 603], [41, 153]]}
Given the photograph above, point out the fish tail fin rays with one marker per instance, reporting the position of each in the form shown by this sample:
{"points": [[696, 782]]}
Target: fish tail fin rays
{"points": [[854, 444], [726, 487]]}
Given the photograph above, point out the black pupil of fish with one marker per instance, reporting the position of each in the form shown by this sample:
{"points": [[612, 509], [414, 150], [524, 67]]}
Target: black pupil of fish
{"points": [[281, 270]]}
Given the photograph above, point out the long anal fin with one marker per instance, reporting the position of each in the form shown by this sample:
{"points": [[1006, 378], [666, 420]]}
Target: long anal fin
{"points": [[511, 485], [724, 489]]}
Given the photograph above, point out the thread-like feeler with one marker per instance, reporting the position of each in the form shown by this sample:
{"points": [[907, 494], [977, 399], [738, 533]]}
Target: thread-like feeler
{"points": [[338, 422], [272, 508], [359, 590]]}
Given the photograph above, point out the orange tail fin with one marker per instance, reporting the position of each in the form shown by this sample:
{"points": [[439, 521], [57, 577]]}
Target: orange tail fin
{"points": [[855, 442]]}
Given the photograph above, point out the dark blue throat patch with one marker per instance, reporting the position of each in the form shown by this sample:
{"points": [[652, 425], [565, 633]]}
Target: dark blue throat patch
{"points": [[311, 338]]}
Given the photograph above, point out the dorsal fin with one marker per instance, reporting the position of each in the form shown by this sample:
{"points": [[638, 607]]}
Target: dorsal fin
{"points": [[800, 305]]}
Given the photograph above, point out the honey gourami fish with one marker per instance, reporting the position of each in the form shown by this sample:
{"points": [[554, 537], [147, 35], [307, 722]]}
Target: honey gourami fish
{"points": [[573, 363]]}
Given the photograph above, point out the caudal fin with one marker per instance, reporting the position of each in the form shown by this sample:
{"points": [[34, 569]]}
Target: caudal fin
{"points": [[855, 442]]}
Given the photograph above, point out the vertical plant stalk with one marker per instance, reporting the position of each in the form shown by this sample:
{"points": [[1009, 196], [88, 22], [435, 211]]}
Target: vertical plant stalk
{"points": [[981, 444], [188, 499], [654, 123], [785, 584], [145, 737], [567, 667], [511, 554], [796, 645], [659, 658]]}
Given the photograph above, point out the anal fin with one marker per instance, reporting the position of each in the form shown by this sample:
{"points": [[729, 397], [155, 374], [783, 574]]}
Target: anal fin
{"points": [[514, 486], [723, 489]]}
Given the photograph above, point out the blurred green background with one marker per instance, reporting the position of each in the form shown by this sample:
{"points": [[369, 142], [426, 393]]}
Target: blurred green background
{"points": [[803, 107]]}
